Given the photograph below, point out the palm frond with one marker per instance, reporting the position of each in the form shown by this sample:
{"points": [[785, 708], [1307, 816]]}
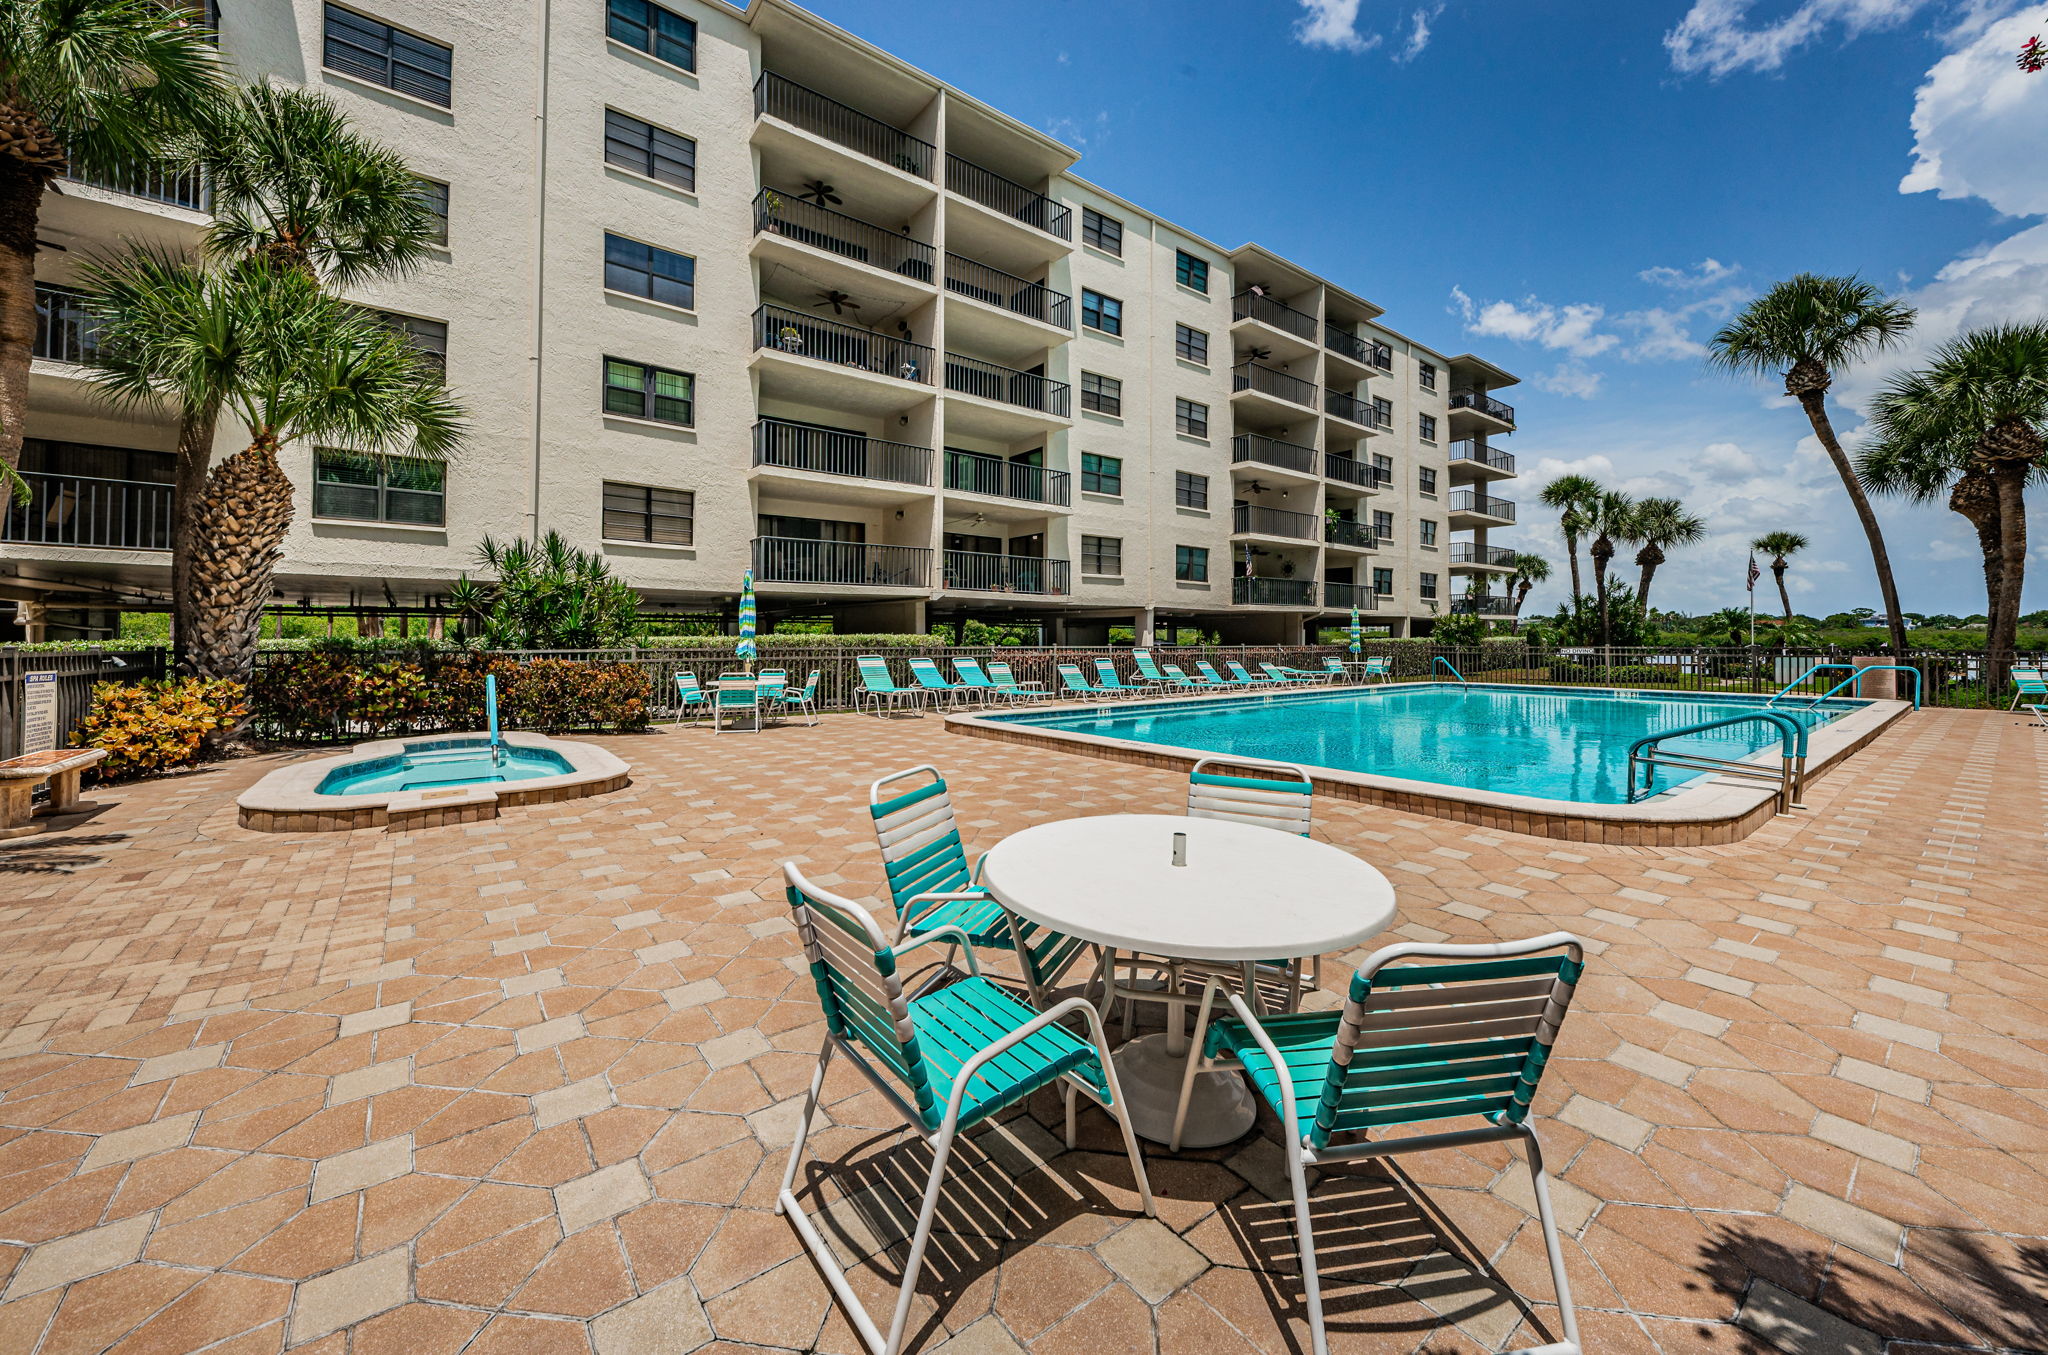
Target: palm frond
{"points": [[1831, 321]]}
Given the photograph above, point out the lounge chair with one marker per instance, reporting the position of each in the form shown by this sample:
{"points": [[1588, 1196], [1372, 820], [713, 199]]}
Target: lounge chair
{"points": [[1006, 682], [1248, 678], [1297, 676], [946, 1058], [1075, 682], [976, 681], [1149, 670], [801, 700], [1334, 666], [689, 694], [1179, 674], [878, 691], [1414, 1044], [1379, 668], [2028, 684], [1107, 680], [927, 676], [736, 694]]}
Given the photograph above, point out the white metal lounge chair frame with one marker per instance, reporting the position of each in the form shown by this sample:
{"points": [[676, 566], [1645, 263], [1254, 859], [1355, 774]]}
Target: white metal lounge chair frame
{"points": [[876, 699], [1006, 681], [941, 692]]}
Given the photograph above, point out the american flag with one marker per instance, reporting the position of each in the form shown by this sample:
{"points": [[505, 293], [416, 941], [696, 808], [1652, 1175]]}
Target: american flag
{"points": [[1754, 573]]}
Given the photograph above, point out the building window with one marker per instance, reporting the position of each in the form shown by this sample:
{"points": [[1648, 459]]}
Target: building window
{"points": [[432, 196], [1191, 417], [642, 392], [662, 34], [1102, 555], [428, 337], [642, 270], [1382, 525], [1428, 531], [1425, 372], [1427, 427], [1105, 313], [1191, 343], [1190, 271], [1383, 468], [374, 51], [1103, 394], [1106, 233], [1425, 479], [656, 517], [646, 149], [1383, 411], [398, 489], [1190, 490], [1191, 564], [1383, 582], [1101, 474], [1428, 588]]}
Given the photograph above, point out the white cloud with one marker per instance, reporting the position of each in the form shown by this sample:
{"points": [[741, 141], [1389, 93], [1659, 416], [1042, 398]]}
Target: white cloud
{"points": [[1663, 335], [1333, 24], [1725, 461], [1570, 378], [1977, 121], [1705, 273], [1418, 32], [1573, 328], [1717, 36]]}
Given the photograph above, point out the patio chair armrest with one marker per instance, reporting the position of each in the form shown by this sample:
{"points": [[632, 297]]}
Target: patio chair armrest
{"points": [[912, 912], [950, 932], [1050, 1016], [1272, 1052]]}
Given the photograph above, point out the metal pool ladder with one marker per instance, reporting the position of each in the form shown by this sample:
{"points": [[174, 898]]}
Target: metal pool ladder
{"points": [[1453, 667], [1853, 677], [1790, 773]]}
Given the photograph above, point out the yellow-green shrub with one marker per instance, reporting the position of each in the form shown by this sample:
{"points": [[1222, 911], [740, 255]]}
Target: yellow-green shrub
{"points": [[150, 725]]}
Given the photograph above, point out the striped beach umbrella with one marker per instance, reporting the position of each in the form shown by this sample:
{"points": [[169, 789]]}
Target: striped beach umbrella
{"points": [[1354, 630], [746, 648]]}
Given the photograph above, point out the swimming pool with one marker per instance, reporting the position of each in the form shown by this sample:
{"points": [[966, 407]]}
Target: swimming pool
{"points": [[1540, 742], [442, 762]]}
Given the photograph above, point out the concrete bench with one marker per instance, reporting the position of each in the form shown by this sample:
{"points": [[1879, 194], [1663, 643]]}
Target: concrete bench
{"points": [[20, 776]]}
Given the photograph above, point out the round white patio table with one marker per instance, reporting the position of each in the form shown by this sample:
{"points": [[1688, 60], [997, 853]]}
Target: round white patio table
{"points": [[1227, 892]]}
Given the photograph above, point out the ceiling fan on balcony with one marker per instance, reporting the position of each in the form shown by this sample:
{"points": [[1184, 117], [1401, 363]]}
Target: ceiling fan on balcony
{"points": [[1257, 354], [821, 193], [840, 302]]}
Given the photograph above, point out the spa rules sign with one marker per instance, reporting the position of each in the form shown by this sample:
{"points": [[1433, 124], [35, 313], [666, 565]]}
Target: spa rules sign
{"points": [[39, 712]]}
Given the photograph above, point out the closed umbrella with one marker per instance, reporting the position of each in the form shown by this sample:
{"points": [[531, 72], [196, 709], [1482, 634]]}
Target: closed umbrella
{"points": [[1354, 630], [746, 648]]}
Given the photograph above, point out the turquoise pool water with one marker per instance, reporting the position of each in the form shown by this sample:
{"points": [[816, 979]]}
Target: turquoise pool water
{"points": [[1560, 745], [441, 762]]}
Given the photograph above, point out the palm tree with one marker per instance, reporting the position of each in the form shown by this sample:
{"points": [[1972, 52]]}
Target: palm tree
{"points": [[1780, 546], [1729, 626], [296, 186], [1570, 495], [291, 363], [1529, 571], [1611, 517], [1807, 328], [1987, 390], [88, 87], [1928, 471], [1660, 524]]}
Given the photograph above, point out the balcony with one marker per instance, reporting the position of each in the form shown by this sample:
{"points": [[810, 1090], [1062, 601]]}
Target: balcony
{"points": [[1473, 503], [777, 96], [1483, 605], [976, 473], [803, 335], [990, 381], [1361, 412], [154, 182], [1251, 519], [1469, 454], [1006, 291], [784, 214], [1265, 451], [1362, 351], [823, 451], [1251, 376], [80, 510], [850, 564], [1278, 314], [979, 572], [64, 329], [1349, 595], [1346, 533], [1480, 403], [1012, 200], [1258, 592], [1481, 557], [1351, 471]]}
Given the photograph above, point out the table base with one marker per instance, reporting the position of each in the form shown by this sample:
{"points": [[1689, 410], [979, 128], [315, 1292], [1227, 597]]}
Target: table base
{"points": [[1221, 1109]]}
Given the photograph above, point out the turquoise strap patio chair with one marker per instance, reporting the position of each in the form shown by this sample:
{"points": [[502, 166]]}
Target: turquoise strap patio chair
{"points": [[1248, 678], [1290, 675], [1149, 670], [2028, 683], [1209, 674], [802, 700], [1006, 682], [1414, 1044], [1379, 668], [736, 694], [1075, 682], [878, 690], [690, 695], [1107, 680], [773, 683], [1179, 674], [947, 1056], [972, 677], [927, 675]]}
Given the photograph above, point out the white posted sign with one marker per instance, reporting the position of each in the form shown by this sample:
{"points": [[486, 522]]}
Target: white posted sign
{"points": [[39, 713]]}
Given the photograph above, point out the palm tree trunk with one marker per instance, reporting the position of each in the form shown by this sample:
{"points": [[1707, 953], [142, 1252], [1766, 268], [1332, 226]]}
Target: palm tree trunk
{"points": [[1600, 583], [1815, 403], [1975, 496], [1784, 598], [2011, 475], [238, 534], [188, 493], [21, 197], [1515, 618], [1649, 558], [1571, 550]]}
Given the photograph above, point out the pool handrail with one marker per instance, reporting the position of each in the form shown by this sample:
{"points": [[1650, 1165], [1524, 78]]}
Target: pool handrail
{"points": [[1452, 666], [491, 717], [1855, 675], [1790, 776]]}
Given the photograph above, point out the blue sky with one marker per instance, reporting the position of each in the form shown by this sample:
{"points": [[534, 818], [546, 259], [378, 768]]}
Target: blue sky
{"points": [[1581, 190]]}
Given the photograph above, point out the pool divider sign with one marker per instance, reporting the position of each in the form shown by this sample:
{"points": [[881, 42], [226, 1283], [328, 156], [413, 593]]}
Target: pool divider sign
{"points": [[39, 713]]}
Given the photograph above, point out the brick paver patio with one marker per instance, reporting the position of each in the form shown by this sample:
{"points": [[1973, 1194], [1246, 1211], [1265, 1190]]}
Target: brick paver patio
{"points": [[520, 1086]]}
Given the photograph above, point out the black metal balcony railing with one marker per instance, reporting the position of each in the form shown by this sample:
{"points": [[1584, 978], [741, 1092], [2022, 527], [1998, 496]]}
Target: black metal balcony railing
{"points": [[1484, 403], [1349, 595], [1250, 517], [808, 336], [1257, 592], [1346, 344], [82, 510], [778, 96], [981, 572], [777, 212], [1345, 532], [796, 446], [1014, 200], [1352, 471], [1485, 605], [974, 473], [1006, 291], [1278, 314], [1351, 407], [65, 330], [1267, 451], [155, 182], [1472, 501], [1251, 376], [1472, 553], [1468, 449], [790, 559], [992, 381]]}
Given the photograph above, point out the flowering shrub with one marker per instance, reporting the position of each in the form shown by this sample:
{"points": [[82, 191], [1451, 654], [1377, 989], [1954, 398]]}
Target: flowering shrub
{"points": [[158, 723]]}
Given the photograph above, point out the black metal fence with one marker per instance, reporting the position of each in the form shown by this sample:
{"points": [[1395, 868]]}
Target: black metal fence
{"points": [[77, 671]]}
